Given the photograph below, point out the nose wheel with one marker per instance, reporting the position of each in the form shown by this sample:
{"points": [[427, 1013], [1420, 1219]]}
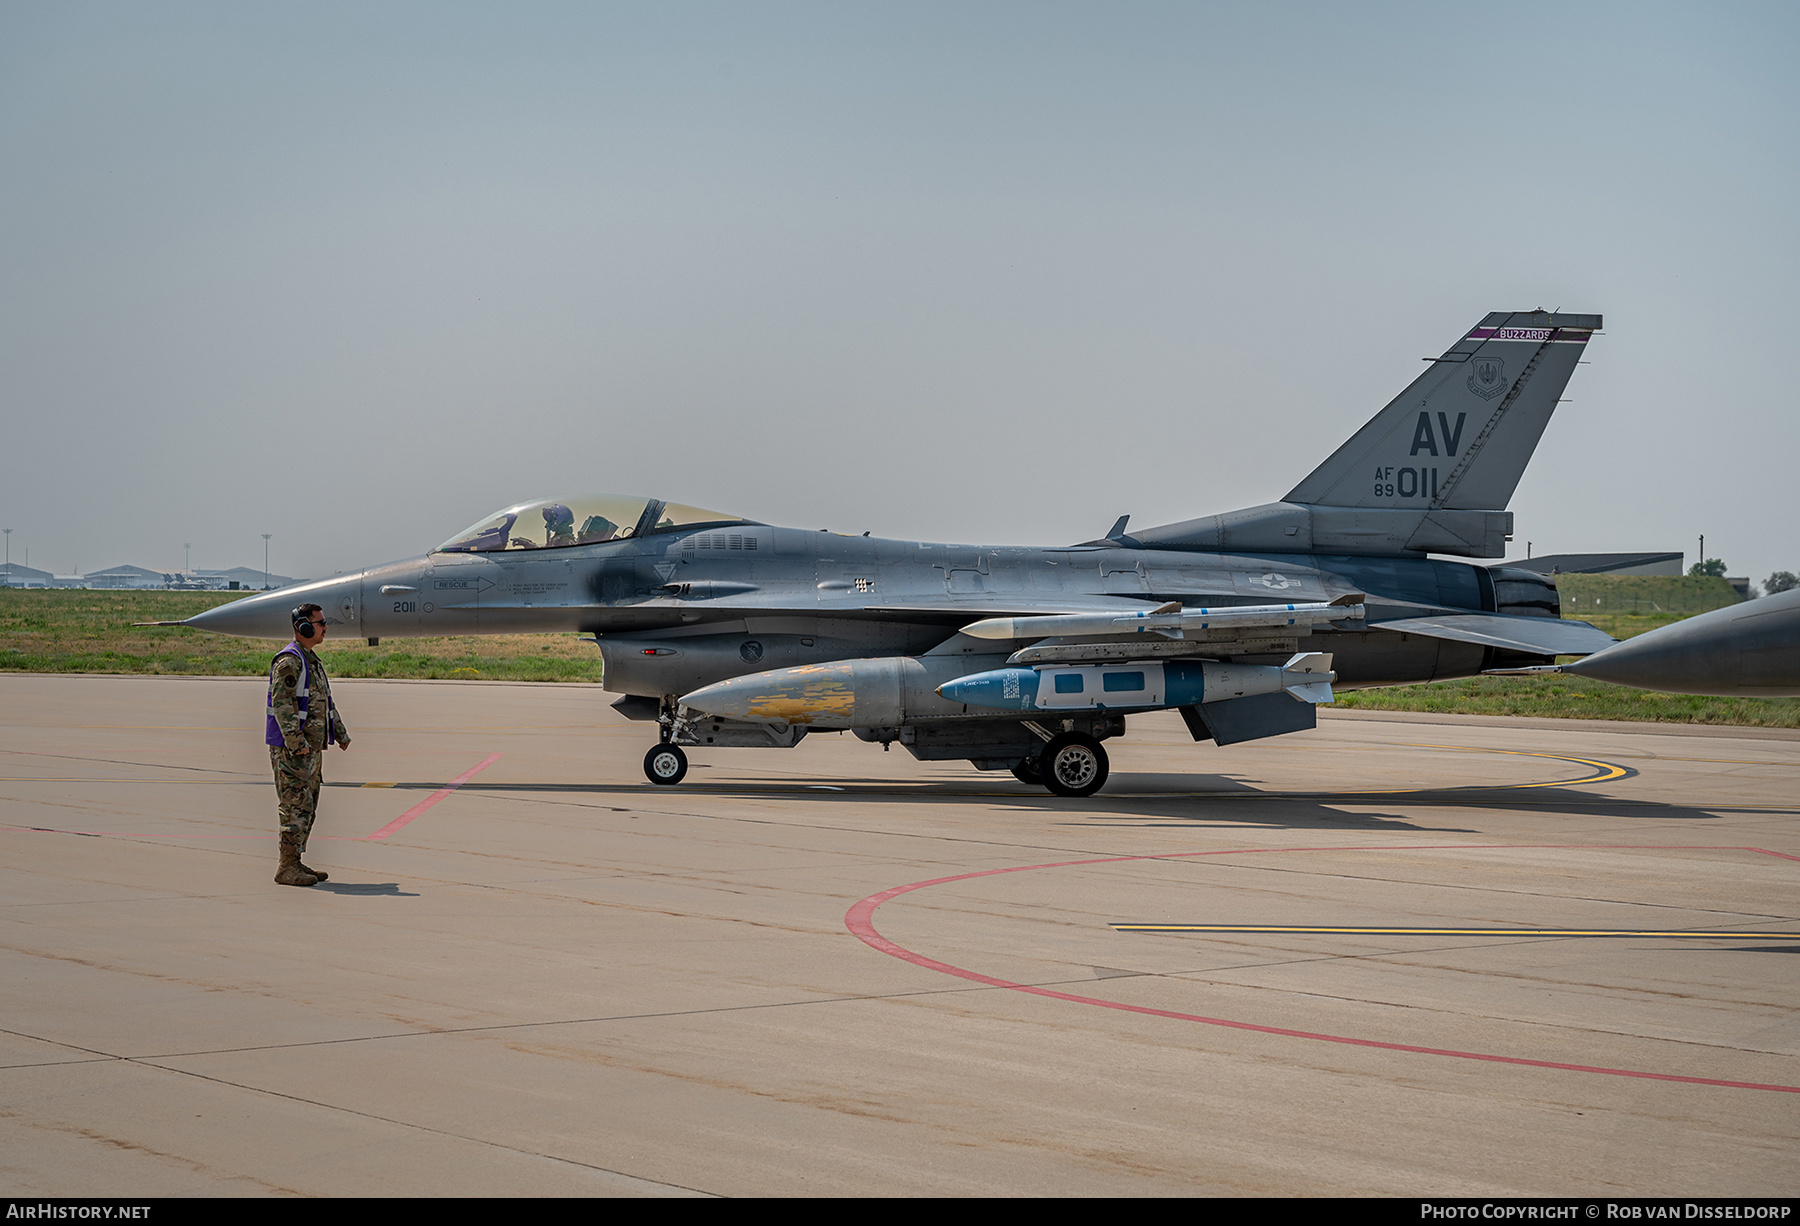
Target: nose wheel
{"points": [[665, 765], [1073, 764]]}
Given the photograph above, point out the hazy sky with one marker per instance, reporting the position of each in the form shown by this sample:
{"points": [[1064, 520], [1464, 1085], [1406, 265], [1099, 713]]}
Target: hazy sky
{"points": [[357, 274]]}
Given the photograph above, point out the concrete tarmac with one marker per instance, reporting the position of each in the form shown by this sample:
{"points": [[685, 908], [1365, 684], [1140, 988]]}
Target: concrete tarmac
{"points": [[835, 971]]}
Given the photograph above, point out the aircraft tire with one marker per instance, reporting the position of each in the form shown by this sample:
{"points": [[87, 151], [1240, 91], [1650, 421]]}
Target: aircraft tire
{"points": [[1028, 770], [665, 765], [1073, 764]]}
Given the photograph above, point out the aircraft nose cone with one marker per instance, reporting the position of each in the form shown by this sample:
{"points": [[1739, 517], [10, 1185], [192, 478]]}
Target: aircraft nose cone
{"points": [[269, 615], [263, 616]]}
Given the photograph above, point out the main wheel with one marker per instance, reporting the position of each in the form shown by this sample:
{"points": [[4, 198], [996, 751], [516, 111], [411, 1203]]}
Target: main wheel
{"points": [[1073, 764], [1025, 770], [665, 764]]}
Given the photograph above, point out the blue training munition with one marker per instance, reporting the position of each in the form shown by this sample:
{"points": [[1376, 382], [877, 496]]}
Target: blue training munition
{"points": [[719, 631], [1140, 685]]}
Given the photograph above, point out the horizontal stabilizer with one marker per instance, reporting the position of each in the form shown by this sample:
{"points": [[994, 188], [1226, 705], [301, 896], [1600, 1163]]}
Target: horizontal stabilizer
{"points": [[1540, 636]]}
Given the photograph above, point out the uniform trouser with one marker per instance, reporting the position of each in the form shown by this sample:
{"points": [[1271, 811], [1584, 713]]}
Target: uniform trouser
{"points": [[297, 780]]}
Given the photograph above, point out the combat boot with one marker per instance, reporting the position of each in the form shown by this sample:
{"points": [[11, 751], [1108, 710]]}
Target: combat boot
{"points": [[292, 872]]}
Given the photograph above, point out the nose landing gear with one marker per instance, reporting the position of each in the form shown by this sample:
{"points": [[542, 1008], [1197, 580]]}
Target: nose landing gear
{"points": [[665, 764]]}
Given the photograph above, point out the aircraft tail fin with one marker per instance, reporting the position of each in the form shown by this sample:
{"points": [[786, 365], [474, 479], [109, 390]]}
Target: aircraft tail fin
{"points": [[1459, 437], [1433, 471]]}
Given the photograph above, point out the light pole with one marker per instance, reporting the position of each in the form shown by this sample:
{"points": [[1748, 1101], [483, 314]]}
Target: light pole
{"points": [[185, 568], [8, 532], [266, 537]]}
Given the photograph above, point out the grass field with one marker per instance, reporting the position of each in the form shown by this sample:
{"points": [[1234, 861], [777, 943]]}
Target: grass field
{"points": [[76, 631], [70, 630]]}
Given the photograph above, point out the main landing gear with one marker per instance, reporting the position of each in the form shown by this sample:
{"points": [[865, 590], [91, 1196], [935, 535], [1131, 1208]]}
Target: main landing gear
{"points": [[665, 764], [1072, 764]]}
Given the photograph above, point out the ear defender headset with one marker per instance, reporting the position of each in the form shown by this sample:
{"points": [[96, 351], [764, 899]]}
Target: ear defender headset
{"points": [[303, 624]]}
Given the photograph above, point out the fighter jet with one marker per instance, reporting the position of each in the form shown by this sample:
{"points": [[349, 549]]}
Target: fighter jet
{"points": [[721, 631]]}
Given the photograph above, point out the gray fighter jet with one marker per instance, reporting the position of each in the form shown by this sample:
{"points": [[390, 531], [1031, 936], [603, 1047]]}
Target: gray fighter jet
{"points": [[724, 632]]}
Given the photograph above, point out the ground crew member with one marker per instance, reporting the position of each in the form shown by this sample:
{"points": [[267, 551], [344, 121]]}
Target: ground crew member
{"points": [[301, 720]]}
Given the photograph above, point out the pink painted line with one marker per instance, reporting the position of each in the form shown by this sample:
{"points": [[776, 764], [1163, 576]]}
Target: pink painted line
{"points": [[123, 834], [436, 796], [860, 920]]}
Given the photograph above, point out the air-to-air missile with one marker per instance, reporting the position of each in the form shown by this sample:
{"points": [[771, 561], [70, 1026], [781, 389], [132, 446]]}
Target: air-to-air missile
{"points": [[725, 632], [1743, 650], [1169, 620]]}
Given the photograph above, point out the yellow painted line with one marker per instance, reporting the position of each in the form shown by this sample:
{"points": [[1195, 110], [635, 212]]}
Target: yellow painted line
{"points": [[378, 785], [1455, 932], [1604, 773]]}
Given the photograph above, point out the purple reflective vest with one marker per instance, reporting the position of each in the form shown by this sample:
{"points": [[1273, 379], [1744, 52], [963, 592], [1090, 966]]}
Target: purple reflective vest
{"points": [[273, 735]]}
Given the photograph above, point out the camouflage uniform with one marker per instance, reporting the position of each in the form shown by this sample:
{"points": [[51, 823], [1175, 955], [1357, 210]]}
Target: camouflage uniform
{"points": [[298, 775]]}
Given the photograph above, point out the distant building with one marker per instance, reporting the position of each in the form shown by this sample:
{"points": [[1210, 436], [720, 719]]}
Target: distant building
{"points": [[1602, 564], [244, 577], [125, 576], [1740, 585], [12, 574]]}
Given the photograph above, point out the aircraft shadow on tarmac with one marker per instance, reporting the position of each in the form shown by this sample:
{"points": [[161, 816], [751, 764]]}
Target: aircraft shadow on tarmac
{"points": [[1162, 800], [389, 889]]}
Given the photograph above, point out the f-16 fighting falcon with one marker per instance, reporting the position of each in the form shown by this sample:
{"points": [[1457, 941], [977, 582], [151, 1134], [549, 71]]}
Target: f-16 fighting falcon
{"points": [[720, 631]]}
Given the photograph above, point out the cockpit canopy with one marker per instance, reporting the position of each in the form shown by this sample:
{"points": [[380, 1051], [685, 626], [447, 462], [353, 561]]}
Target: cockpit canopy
{"points": [[582, 519]]}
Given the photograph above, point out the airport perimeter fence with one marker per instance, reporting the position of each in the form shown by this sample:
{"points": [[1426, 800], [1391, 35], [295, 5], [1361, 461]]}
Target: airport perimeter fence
{"points": [[1685, 595]]}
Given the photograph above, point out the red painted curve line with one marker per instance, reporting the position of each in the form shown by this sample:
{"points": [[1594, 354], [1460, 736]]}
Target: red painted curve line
{"points": [[860, 920], [436, 796]]}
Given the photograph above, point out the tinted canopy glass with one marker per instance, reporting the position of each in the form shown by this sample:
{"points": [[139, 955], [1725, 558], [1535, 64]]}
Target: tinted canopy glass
{"points": [[581, 519]]}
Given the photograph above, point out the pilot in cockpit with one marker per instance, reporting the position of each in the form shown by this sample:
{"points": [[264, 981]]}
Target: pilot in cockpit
{"points": [[559, 529], [559, 526], [603, 518]]}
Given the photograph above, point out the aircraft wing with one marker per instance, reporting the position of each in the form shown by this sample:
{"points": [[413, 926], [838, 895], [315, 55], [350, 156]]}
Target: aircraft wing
{"points": [[1544, 636]]}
